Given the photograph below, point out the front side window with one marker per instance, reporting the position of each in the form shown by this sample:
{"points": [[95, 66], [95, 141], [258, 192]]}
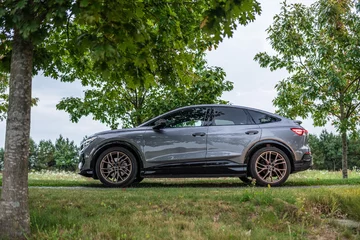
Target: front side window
{"points": [[192, 117], [261, 118], [222, 116]]}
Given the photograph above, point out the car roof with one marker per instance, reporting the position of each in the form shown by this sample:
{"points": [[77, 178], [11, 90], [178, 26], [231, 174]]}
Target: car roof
{"points": [[214, 105]]}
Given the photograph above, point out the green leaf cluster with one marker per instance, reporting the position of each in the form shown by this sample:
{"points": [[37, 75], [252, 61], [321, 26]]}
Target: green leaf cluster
{"points": [[319, 47], [326, 151], [61, 155], [113, 102], [135, 44], [139, 41]]}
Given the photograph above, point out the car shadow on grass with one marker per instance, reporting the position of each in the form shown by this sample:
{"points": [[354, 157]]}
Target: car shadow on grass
{"points": [[189, 185]]}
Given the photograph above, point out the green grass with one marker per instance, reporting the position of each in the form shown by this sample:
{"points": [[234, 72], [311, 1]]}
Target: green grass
{"points": [[193, 208], [306, 178], [193, 213]]}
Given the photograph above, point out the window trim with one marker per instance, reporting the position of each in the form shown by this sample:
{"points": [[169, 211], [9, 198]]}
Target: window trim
{"points": [[248, 112], [164, 116], [249, 122]]}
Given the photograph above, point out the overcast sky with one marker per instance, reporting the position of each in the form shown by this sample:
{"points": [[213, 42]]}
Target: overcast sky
{"points": [[253, 86]]}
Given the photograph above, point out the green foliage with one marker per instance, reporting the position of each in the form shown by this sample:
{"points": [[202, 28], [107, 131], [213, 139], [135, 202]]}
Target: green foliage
{"points": [[137, 39], [115, 101], [319, 47], [45, 155], [326, 151], [63, 155], [66, 154], [132, 43]]}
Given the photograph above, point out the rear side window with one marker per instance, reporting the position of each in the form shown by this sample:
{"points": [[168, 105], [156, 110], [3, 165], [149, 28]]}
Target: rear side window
{"points": [[261, 118], [229, 116]]}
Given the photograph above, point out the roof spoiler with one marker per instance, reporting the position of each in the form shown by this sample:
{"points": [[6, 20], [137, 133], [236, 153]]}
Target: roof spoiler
{"points": [[298, 122]]}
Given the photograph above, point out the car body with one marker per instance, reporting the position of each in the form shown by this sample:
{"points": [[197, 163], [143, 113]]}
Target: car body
{"points": [[200, 141]]}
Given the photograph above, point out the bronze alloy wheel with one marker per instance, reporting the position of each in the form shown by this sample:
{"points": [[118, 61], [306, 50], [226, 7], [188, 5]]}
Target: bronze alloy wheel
{"points": [[116, 167], [270, 166]]}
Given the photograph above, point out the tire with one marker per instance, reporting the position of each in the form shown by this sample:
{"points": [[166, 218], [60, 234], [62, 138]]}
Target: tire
{"points": [[115, 173], [270, 166], [245, 179], [138, 180]]}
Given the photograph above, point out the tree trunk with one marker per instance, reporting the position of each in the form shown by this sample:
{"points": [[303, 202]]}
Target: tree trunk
{"points": [[14, 210], [344, 155]]}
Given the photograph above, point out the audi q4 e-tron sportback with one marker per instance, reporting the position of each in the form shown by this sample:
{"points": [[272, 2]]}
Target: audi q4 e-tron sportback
{"points": [[200, 141]]}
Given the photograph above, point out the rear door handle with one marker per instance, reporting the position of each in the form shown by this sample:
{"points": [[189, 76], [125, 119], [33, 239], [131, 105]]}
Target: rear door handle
{"points": [[252, 132], [201, 134]]}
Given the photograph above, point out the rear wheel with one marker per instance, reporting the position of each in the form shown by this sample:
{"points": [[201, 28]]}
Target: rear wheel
{"points": [[270, 166], [116, 167]]}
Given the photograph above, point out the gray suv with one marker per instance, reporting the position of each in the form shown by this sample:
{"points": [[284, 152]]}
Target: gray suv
{"points": [[200, 141]]}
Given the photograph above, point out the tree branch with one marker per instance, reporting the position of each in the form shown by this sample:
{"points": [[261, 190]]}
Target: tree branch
{"points": [[351, 83], [350, 112], [308, 71]]}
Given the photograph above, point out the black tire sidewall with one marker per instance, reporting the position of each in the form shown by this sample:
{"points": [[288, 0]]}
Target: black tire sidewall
{"points": [[133, 173], [259, 181], [245, 180]]}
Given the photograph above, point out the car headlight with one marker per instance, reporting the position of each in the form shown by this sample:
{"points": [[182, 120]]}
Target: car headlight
{"points": [[86, 143]]}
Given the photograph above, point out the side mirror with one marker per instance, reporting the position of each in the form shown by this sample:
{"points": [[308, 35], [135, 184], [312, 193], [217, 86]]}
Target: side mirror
{"points": [[161, 123]]}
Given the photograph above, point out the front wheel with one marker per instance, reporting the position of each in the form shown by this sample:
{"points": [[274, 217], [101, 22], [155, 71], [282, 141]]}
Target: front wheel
{"points": [[116, 167], [270, 166], [138, 180]]}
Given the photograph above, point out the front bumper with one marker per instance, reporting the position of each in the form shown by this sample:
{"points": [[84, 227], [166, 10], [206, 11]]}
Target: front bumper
{"points": [[305, 163], [84, 170]]}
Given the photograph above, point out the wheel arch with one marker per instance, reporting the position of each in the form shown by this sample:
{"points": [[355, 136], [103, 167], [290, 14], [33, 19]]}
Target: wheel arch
{"points": [[128, 146], [271, 143]]}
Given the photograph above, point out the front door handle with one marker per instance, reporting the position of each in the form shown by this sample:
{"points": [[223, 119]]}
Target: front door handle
{"points": [[201, 134], [252, 132]]}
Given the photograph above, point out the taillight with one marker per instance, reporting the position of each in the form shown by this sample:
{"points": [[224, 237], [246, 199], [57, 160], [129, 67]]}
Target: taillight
{"points": [[299, 131]]}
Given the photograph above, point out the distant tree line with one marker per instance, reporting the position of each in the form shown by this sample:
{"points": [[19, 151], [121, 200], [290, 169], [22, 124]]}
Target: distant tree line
{"points": [[327, 152], [61, 155]]}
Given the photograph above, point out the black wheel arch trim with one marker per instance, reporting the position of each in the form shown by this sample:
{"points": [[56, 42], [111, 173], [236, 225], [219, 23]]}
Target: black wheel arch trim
{"points": [[271, 142], [117, 143]]}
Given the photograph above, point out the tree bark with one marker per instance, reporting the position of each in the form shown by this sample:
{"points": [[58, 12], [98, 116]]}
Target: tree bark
{"points": [[343, 137], [344, 155], [14, 210]]}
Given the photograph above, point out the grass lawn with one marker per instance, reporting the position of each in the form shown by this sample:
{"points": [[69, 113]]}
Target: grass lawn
{"points": [[306, 178], [194, 213], [194, 209]]}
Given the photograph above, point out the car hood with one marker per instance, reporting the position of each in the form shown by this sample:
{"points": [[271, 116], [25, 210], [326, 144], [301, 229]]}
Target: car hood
{"points": [[119, 131]]}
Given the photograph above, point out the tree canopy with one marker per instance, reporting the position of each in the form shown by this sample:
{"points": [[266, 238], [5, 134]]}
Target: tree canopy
{"points": [[142, 42], [319, 47], [138, 41], [116, 102]]}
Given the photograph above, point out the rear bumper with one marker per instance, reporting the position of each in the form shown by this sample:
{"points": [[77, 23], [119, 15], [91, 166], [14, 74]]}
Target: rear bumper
{"points": [[305, 163]]}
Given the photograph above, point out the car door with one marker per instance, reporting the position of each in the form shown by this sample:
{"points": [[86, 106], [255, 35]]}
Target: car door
{"points": [[181, 143], [230, 132]]}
